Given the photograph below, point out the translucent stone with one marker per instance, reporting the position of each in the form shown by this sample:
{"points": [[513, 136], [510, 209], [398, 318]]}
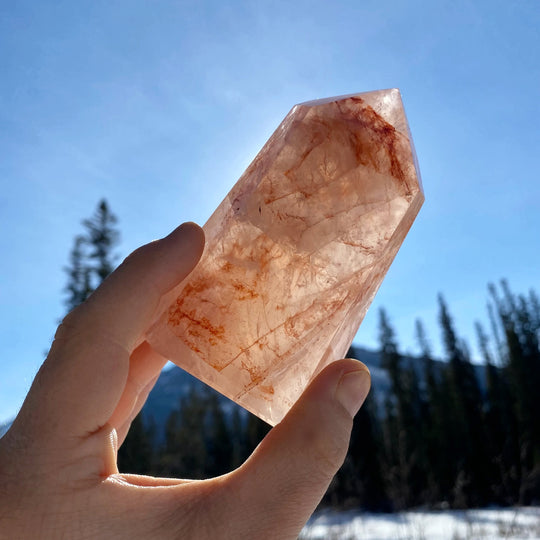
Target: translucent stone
{"points": [[296, 252]]}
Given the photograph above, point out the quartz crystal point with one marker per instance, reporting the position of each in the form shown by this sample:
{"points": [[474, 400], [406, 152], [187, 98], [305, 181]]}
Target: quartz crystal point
{"points": [[296, 252]]}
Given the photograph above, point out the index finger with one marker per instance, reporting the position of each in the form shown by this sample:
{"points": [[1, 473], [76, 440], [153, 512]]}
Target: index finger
{"points": [[82, 380]]}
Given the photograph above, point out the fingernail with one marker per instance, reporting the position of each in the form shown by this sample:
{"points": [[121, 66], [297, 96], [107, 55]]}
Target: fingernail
{"points": [[353, 389]]}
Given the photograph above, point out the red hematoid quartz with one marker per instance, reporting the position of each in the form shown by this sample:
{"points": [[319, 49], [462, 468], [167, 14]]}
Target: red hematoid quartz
{"points": [[296, 252]]}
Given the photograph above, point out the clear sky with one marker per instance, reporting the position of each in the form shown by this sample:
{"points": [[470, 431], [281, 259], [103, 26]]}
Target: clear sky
{"points": [[159, 106]]}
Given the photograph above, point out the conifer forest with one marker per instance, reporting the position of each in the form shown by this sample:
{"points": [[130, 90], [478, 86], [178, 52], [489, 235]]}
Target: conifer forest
{"points": [[449, 433]]}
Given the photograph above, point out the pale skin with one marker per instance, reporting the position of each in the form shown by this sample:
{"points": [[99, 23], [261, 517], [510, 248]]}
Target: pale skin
{"points": [[58, 472]]}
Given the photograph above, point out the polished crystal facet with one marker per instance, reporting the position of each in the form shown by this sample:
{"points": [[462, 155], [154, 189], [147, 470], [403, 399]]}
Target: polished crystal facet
{"points": [[296, 252]]}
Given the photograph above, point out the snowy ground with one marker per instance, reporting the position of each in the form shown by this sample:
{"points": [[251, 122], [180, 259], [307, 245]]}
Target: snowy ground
{"points": [[489, 524]]}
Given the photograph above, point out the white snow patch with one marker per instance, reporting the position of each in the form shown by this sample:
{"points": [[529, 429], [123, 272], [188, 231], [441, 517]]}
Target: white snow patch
{"points": [[490, 524]]}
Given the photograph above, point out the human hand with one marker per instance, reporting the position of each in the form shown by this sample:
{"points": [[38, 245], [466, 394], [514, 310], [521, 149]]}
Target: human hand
{"points": [[58, 473]]}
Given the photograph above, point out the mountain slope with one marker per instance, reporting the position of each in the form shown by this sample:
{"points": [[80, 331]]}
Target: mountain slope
{"points": [[175, 384]]}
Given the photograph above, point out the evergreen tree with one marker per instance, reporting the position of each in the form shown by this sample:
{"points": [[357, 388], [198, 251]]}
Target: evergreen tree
{"points": [[500, 423], [240, 450], [404, 441], [519, 321], [167, 459], [500, 352], [534, 303], [135, 455], [185, 453], [102, 238], [79, 285], [390, 357], [433, 432], [92, 257], [218, 441], [471, 483], [361, 479], [395, 452]]}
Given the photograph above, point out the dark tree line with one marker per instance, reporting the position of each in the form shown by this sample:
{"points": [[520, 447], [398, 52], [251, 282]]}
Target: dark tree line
{"points": [[450, 434], [201, 439], [447, 434]]}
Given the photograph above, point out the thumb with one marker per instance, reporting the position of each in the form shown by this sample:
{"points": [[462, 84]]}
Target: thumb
{"points": [[291, 469]]}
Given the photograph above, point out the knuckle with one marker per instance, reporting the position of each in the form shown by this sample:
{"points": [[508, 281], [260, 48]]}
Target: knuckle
{"points": [[327, 448], [73, 326]]}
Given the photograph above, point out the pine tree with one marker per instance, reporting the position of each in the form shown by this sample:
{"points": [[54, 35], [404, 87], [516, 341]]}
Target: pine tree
{"points": [[360, 482], [240, 450], [519, 320], [500, 352], [135, 455], [191, 438], [365, 486], [79, 286], [185, 452], [433, 430], [404, 441], [534, 303], [471, 485], [102, 238], [92, 257], [501, 429], [218, 441], [390, 357]]}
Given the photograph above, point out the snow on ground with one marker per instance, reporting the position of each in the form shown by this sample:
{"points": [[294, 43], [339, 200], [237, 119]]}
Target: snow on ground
{"points": [[489, 524]]}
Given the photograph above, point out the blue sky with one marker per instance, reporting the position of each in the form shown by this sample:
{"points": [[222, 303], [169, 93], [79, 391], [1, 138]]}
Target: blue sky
{"points": [[159, 106]]}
